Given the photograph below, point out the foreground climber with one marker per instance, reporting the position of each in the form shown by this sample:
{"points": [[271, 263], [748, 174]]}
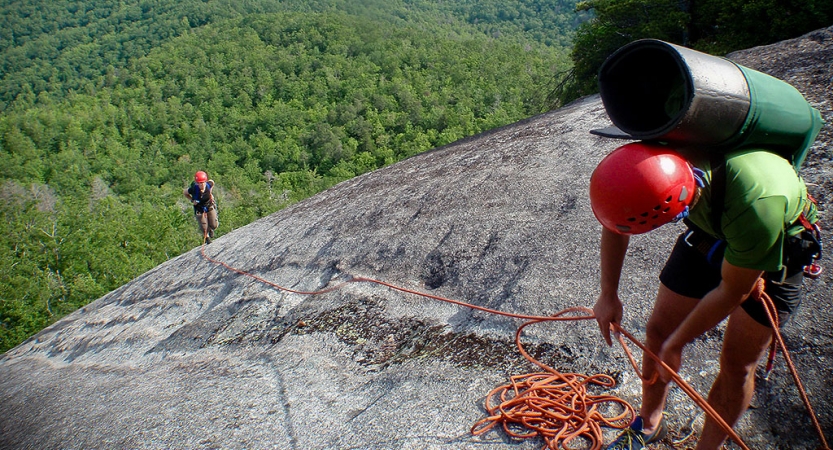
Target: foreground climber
{"points": [[710, 272], [205, 208]]}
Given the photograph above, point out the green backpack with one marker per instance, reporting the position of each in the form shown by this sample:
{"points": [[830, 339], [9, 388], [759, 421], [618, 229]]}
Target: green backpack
{"points": [[657, 91]]}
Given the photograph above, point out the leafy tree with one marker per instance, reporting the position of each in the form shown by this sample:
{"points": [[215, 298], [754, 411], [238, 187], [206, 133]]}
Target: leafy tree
{"points": [[715, 26], [724, 26]]}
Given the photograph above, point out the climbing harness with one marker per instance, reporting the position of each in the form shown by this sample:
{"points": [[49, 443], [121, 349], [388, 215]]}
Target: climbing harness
{"points": [[808, 244], [202, 201], [710, 247], [553, 405]]}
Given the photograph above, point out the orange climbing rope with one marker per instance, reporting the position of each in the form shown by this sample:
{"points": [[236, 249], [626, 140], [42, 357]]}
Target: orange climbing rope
{"points": [[559, 407], [759, 294], [690, 391]]}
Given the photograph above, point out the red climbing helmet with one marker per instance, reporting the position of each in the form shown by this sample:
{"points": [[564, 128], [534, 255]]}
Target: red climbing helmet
{"points": [[641, 186], [200, 177]]}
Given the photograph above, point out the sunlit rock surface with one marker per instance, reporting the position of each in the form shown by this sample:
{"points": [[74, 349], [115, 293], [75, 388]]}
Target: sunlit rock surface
{"points": [[193, 355]]}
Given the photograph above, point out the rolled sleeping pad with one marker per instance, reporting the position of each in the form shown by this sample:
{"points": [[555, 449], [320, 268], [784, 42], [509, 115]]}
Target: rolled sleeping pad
{"points": [[657, 91]]}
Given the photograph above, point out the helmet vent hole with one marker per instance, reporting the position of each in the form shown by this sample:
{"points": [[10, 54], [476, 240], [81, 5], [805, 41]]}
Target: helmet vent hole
{"points": [[645, 214], [657, 208], [668, 199]]}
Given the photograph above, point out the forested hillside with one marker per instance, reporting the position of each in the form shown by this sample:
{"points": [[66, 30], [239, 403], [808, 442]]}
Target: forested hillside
{"points": [[61, 45], [108, 108]]}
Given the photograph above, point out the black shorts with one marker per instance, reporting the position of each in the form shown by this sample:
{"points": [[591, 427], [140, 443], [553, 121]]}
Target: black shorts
{"points": [[689, 273]]}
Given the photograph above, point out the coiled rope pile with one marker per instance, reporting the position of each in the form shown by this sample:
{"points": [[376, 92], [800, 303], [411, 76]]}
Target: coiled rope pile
{"points": [[557, 406], [554, 405]]}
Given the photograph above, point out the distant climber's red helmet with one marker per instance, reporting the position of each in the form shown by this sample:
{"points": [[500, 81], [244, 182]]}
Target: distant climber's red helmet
{"points": [[639, 187], [200, 177]]}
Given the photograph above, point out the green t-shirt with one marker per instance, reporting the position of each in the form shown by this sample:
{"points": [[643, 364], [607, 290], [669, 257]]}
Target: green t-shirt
{"points": [[764, 198]]}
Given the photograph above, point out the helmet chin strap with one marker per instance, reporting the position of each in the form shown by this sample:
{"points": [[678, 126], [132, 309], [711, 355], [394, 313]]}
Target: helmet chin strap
{"points": [[682, 215], [700, 180], [699, 176]]}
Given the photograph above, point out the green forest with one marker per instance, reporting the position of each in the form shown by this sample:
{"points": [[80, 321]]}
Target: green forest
{"points": [[108, 107]]}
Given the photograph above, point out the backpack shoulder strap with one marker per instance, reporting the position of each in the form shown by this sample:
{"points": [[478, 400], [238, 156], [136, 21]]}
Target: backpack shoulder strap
{"points": [[718, 191]]}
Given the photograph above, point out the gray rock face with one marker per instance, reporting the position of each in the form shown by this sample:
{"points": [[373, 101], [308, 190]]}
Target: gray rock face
{"points": [[194, 355]]}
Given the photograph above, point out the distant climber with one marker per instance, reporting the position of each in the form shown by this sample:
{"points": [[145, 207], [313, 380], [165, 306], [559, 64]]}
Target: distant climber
{"points": [[205, 208]]}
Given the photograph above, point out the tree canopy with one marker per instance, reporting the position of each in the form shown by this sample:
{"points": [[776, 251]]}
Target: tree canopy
{"points": [[714, 26], [57, 46]]}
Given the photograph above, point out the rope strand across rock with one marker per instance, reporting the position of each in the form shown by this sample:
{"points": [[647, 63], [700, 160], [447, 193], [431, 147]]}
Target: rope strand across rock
{"points": [[558, 407]]}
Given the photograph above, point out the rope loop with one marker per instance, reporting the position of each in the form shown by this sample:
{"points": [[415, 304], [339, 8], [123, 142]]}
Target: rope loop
{"points": [[562, 407]]}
